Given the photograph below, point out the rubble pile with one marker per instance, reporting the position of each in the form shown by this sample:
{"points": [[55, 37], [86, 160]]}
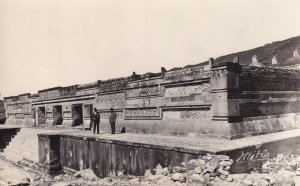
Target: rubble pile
{"points": [[280, 170], [208, 170], [281, 162]]}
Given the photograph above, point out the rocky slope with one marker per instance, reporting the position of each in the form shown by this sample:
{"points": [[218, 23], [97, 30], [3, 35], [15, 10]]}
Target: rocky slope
{"points": [[283, 50]]}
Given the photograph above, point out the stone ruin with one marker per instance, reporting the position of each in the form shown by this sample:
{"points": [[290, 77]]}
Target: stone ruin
{"points": [[217, 100]]}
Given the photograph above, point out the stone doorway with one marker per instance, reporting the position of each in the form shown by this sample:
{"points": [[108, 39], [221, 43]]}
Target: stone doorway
{"points": [[41, 116], [57, 115], [77, 115]]}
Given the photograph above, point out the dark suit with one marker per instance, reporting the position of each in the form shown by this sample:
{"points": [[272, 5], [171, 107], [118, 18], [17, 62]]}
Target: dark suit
{"points": [[112, 121], [96, 121]]}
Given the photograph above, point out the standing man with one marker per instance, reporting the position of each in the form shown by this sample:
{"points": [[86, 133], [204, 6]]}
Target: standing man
{"points": [[112, 121], [96, 120]]}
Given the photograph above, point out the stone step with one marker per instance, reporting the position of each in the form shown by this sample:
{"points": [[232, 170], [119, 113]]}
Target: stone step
{"points": [[24, 145]]}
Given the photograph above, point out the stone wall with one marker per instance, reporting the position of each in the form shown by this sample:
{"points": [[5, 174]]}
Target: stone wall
{"points": [[19, 110], [104, 157], [112, 157]]}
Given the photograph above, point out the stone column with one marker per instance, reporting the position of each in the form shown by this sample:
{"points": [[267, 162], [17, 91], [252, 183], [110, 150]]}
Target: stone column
{"points": [[224, 90], [36, 116], [225, 87]]}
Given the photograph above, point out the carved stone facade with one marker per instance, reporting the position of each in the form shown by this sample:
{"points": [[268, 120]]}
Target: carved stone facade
{"points": [[110, 97], [112, 84], [106, 114], [202, 89], [143, 92], [179, 73], [195, 114], [142, 113], [187, 115]]}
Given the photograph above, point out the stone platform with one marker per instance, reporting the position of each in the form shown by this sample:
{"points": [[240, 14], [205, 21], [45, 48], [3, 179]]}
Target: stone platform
{"points": [[136, 154]]}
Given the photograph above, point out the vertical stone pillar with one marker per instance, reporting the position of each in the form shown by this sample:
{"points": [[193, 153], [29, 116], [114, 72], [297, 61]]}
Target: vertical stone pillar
{"points": [[49, 153], [224, 90], [49, 115], [87, 112], [36, 117]]}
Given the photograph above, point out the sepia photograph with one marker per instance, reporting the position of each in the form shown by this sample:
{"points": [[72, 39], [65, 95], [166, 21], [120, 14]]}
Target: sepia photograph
{"points": [[149, 92]]}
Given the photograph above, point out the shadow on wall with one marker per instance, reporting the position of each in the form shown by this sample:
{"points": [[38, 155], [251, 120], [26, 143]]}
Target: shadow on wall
{"points": [[77, 115], [57, 115], [41, 116], [6, 135]]}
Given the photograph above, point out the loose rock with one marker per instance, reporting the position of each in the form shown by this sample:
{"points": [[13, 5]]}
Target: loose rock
{"points": [[229, 179], [134, 181], [178, 169], [212, 166], [198, 170], [223, 158], [86, 174], [225, 163], [226, 173], [247, 182], [197, 178], [165, 171], [179, 177]]}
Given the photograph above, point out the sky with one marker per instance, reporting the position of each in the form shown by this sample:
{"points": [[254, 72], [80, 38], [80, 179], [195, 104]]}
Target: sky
{"points": [[49, 43]]}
